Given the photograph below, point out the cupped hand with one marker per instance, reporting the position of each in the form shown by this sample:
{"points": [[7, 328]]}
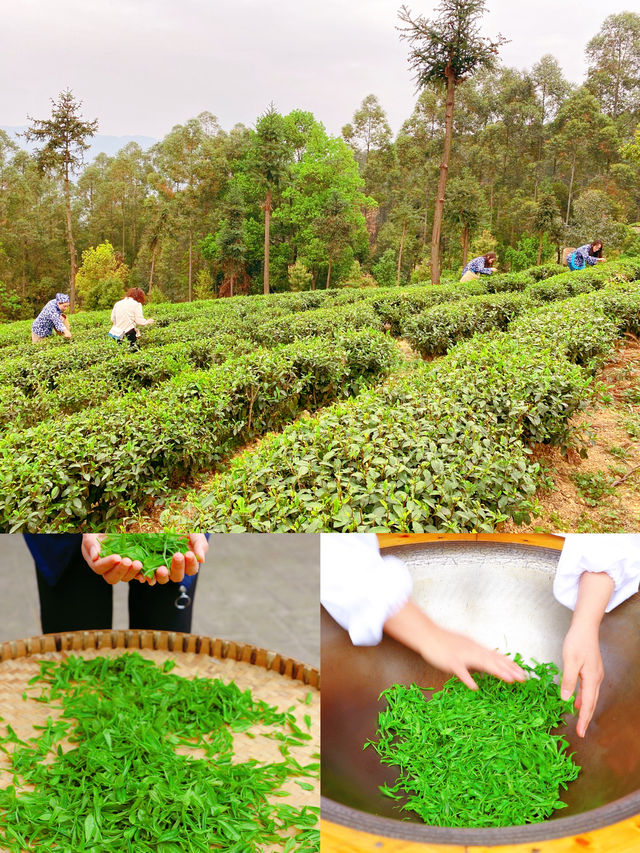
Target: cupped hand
{"points": [[582, 668], [114, 568], [184, 564]]}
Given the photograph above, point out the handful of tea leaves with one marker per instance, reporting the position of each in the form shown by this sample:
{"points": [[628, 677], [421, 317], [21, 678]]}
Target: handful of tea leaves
{"points": [[152, 549], [125, 781], [478, 758]]}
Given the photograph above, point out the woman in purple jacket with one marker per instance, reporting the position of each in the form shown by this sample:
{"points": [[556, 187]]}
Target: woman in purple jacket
{"points": [[587, 255]]}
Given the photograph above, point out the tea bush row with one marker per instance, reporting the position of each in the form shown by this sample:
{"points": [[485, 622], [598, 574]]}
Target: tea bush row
{"points": [[445, 448], [97, 464]]}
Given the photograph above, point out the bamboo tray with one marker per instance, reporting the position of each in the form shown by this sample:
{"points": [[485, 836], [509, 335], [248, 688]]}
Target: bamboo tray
{"points": [[275, 679]]}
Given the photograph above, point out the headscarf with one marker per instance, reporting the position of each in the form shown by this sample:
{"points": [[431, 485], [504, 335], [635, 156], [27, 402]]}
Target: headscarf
{"points": [[61, 297]]}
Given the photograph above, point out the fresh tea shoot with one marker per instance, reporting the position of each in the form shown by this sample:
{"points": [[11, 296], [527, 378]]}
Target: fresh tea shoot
{"points": [[152, 549], [478, 758], [125, 783]]}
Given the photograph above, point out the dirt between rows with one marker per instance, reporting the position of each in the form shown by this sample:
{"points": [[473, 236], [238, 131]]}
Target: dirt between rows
{"points": [[600, 493]]}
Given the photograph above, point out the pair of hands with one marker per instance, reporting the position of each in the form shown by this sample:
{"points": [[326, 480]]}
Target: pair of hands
{"points": [[458, 654], [115, 569]]}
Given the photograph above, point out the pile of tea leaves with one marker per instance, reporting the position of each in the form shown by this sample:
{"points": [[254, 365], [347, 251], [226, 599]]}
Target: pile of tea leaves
{"points": [[152, 549], [123, 784], [478, 758]]}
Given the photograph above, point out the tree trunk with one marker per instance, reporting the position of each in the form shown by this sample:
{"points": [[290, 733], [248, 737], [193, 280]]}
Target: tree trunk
{"points": [[573, 172], [190, 265], [442, 182], [267, 222], [404, 231], [540, 248], [153, 263], [329, 274], [70, 244], [465, 245]]}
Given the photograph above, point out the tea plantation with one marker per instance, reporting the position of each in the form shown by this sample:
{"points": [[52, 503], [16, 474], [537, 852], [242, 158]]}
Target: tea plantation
{"points": [[358, 437]]}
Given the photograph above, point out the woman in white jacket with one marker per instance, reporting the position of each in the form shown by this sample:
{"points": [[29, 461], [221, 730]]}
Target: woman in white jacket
{"points": [[367, 594], [127, 316]]}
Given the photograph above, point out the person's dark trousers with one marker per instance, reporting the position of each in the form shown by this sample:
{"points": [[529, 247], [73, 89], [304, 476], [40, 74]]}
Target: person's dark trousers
{"points": [[132, 337], [82, 600]]}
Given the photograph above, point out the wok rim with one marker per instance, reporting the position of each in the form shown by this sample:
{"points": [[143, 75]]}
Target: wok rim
{"points": [[563, 827]]}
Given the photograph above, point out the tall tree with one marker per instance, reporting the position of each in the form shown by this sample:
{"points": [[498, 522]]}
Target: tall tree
{"points": [[369, 127], [464, 209], [583, 139], [228, 245], [324, 203], [447, 50], [270, 156], [64, 141], [552, 90], [614, 64], [546, 219]]}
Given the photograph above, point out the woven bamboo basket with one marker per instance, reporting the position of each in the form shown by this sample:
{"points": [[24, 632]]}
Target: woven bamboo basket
{"points": [[275, 679]]}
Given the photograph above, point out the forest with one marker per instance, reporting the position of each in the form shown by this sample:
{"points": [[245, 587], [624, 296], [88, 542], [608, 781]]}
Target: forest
{"points": [[536, 164]]}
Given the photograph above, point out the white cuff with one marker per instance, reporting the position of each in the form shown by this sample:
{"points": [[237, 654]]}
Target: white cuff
{"points": [[360, 588], [617, 554]]}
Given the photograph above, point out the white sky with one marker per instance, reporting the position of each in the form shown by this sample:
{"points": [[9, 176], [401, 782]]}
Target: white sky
{"points": [[141, 66]]}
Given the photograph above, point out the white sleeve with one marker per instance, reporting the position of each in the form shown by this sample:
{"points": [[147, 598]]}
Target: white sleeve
{"points": [[617, 554], [360, 588], [137, 314]]}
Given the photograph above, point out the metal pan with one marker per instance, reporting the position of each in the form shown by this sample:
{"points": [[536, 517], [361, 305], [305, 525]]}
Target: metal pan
{"points": [[500, 594]]}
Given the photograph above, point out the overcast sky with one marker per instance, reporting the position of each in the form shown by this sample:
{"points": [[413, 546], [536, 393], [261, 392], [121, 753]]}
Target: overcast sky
{"points": [[142, 66]]}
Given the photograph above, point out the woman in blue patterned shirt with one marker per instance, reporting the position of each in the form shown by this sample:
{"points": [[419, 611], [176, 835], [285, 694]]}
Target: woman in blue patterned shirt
{"points": [[53, 316], [482, 265], [589, 254]]}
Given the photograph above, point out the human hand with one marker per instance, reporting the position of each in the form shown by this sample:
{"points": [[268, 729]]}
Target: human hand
{"points": [[582, 660], [457, 654], [447, 650], [581, 649], [183, 564], [114, 569]]}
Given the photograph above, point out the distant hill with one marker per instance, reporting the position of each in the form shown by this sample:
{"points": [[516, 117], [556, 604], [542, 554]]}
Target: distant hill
{"points": [[100, 144]]}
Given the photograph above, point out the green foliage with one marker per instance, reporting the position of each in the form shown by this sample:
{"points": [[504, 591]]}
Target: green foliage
{"points": [[99, 462], [484, 243], [451, 44], [595, 218], [102, 277], [153, 550], [525, 254], [151, 764], [299, 277], [204, 285], [385, 270], [9, 303], [437, 329], [356, 277], [104, 293], [453, 736]]}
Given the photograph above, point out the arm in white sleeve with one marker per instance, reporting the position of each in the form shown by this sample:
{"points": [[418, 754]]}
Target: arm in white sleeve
{"points": [[617, 554], [360, 588]]}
